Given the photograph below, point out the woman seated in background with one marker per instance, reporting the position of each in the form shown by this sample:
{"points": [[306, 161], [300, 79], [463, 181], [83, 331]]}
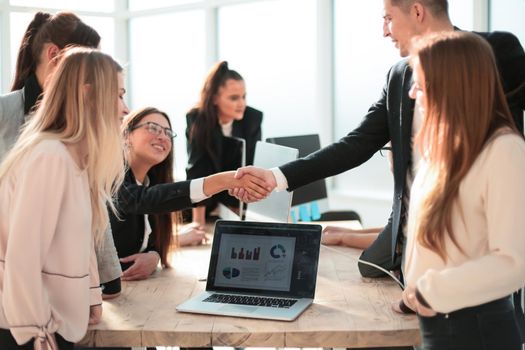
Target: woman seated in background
{"points": [[465, 251], [146, 201], [220, 114], [54, 186]]}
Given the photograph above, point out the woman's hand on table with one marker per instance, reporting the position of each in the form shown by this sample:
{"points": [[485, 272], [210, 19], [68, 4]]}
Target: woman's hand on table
{"points": [[144, 264], [331, 236], [191, 235], [95, 314], [410, 302]]}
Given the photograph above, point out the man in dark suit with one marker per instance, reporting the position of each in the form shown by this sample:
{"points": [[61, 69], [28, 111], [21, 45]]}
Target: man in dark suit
{"points": [[390, 119]]}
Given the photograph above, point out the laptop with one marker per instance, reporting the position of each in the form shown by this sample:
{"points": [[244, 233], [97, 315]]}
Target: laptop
{"points": [[260, 270], [310, 200], [275, 207]]}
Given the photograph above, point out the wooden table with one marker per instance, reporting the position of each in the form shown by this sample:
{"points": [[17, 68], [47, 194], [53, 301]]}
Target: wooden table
{"points": [[348, 311]]}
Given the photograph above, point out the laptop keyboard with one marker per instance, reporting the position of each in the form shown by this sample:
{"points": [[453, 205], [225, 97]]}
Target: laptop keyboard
{"points": [[248, 300]]}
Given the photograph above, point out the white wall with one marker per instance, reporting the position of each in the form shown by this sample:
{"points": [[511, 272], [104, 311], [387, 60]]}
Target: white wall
{"points": [[508, 15]]}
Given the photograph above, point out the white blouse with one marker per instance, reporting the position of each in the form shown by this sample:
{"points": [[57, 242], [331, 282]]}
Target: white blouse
{"points": [[489, 225], [48, 267]]}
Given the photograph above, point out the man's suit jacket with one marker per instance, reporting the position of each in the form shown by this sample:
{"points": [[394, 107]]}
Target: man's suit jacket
{"points": [[11, 119], [390, 119]]}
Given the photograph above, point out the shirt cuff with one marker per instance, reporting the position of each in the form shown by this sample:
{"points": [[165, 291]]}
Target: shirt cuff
{"points": [[197, 190], [282, 183]]}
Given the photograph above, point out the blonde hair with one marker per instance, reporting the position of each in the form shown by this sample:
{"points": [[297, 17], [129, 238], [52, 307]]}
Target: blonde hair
{"points": [[81, 105], [465, 105]]}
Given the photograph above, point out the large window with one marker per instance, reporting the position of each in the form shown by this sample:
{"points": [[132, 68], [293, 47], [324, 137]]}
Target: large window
{"points": [[167, 72], [135, 5], [508, 15], [312, 66], [462, 14], [362, 59], [273, 46], [91, 5]]}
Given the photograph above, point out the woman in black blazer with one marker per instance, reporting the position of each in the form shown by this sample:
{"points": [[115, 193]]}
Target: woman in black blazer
{"points": [[146, 201], [220, 115]]}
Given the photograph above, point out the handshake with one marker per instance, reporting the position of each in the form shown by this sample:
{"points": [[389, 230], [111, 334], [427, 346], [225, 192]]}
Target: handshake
{"points": [[252, 184]]}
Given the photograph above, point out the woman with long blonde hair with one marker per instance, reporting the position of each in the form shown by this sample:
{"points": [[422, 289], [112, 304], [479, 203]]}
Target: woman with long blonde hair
{"points": [[465, 252], [54, 187]]}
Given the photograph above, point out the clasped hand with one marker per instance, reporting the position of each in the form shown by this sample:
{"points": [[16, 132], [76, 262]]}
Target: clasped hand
{"points": [[410, 301], [252, 184]]}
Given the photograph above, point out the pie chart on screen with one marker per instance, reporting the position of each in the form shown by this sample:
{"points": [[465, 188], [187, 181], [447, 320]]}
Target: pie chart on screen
{"points": [[230, 272], [278, 251]]}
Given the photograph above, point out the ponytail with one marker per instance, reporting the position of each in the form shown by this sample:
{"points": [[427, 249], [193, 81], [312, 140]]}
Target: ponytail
{"points": [[25, 64], [207, 118], [62, 29]]}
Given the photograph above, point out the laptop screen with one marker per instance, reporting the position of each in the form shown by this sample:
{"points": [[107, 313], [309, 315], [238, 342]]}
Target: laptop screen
{"points": [[264, 258]]}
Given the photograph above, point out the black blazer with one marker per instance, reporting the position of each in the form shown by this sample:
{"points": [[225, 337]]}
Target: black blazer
{"points": [[201, 163], [510, 58], [134, 201], [390, 119]]}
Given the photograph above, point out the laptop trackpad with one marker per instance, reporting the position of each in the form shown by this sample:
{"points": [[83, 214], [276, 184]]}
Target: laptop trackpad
{"points": [[237, 308]]}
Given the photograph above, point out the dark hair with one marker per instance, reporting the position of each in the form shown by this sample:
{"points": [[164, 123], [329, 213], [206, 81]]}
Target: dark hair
{"points": [[206, 110], [462, 88], [61, 29], [162, 173], [438, 8]]}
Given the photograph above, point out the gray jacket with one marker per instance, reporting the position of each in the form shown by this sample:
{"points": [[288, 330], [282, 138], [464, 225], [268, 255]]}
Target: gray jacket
{"points": [[11, 119]]}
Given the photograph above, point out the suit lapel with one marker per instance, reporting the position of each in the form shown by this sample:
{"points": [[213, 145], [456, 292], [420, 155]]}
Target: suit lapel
{"points": [[407, 114]]}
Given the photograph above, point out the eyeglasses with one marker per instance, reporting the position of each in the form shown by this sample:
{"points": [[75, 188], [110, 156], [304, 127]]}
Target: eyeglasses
{"points": [[383, 151], [156, 129]]}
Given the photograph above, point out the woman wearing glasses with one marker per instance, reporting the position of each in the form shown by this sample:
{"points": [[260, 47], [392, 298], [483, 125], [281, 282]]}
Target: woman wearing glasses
{"points": [[143, 229]]}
